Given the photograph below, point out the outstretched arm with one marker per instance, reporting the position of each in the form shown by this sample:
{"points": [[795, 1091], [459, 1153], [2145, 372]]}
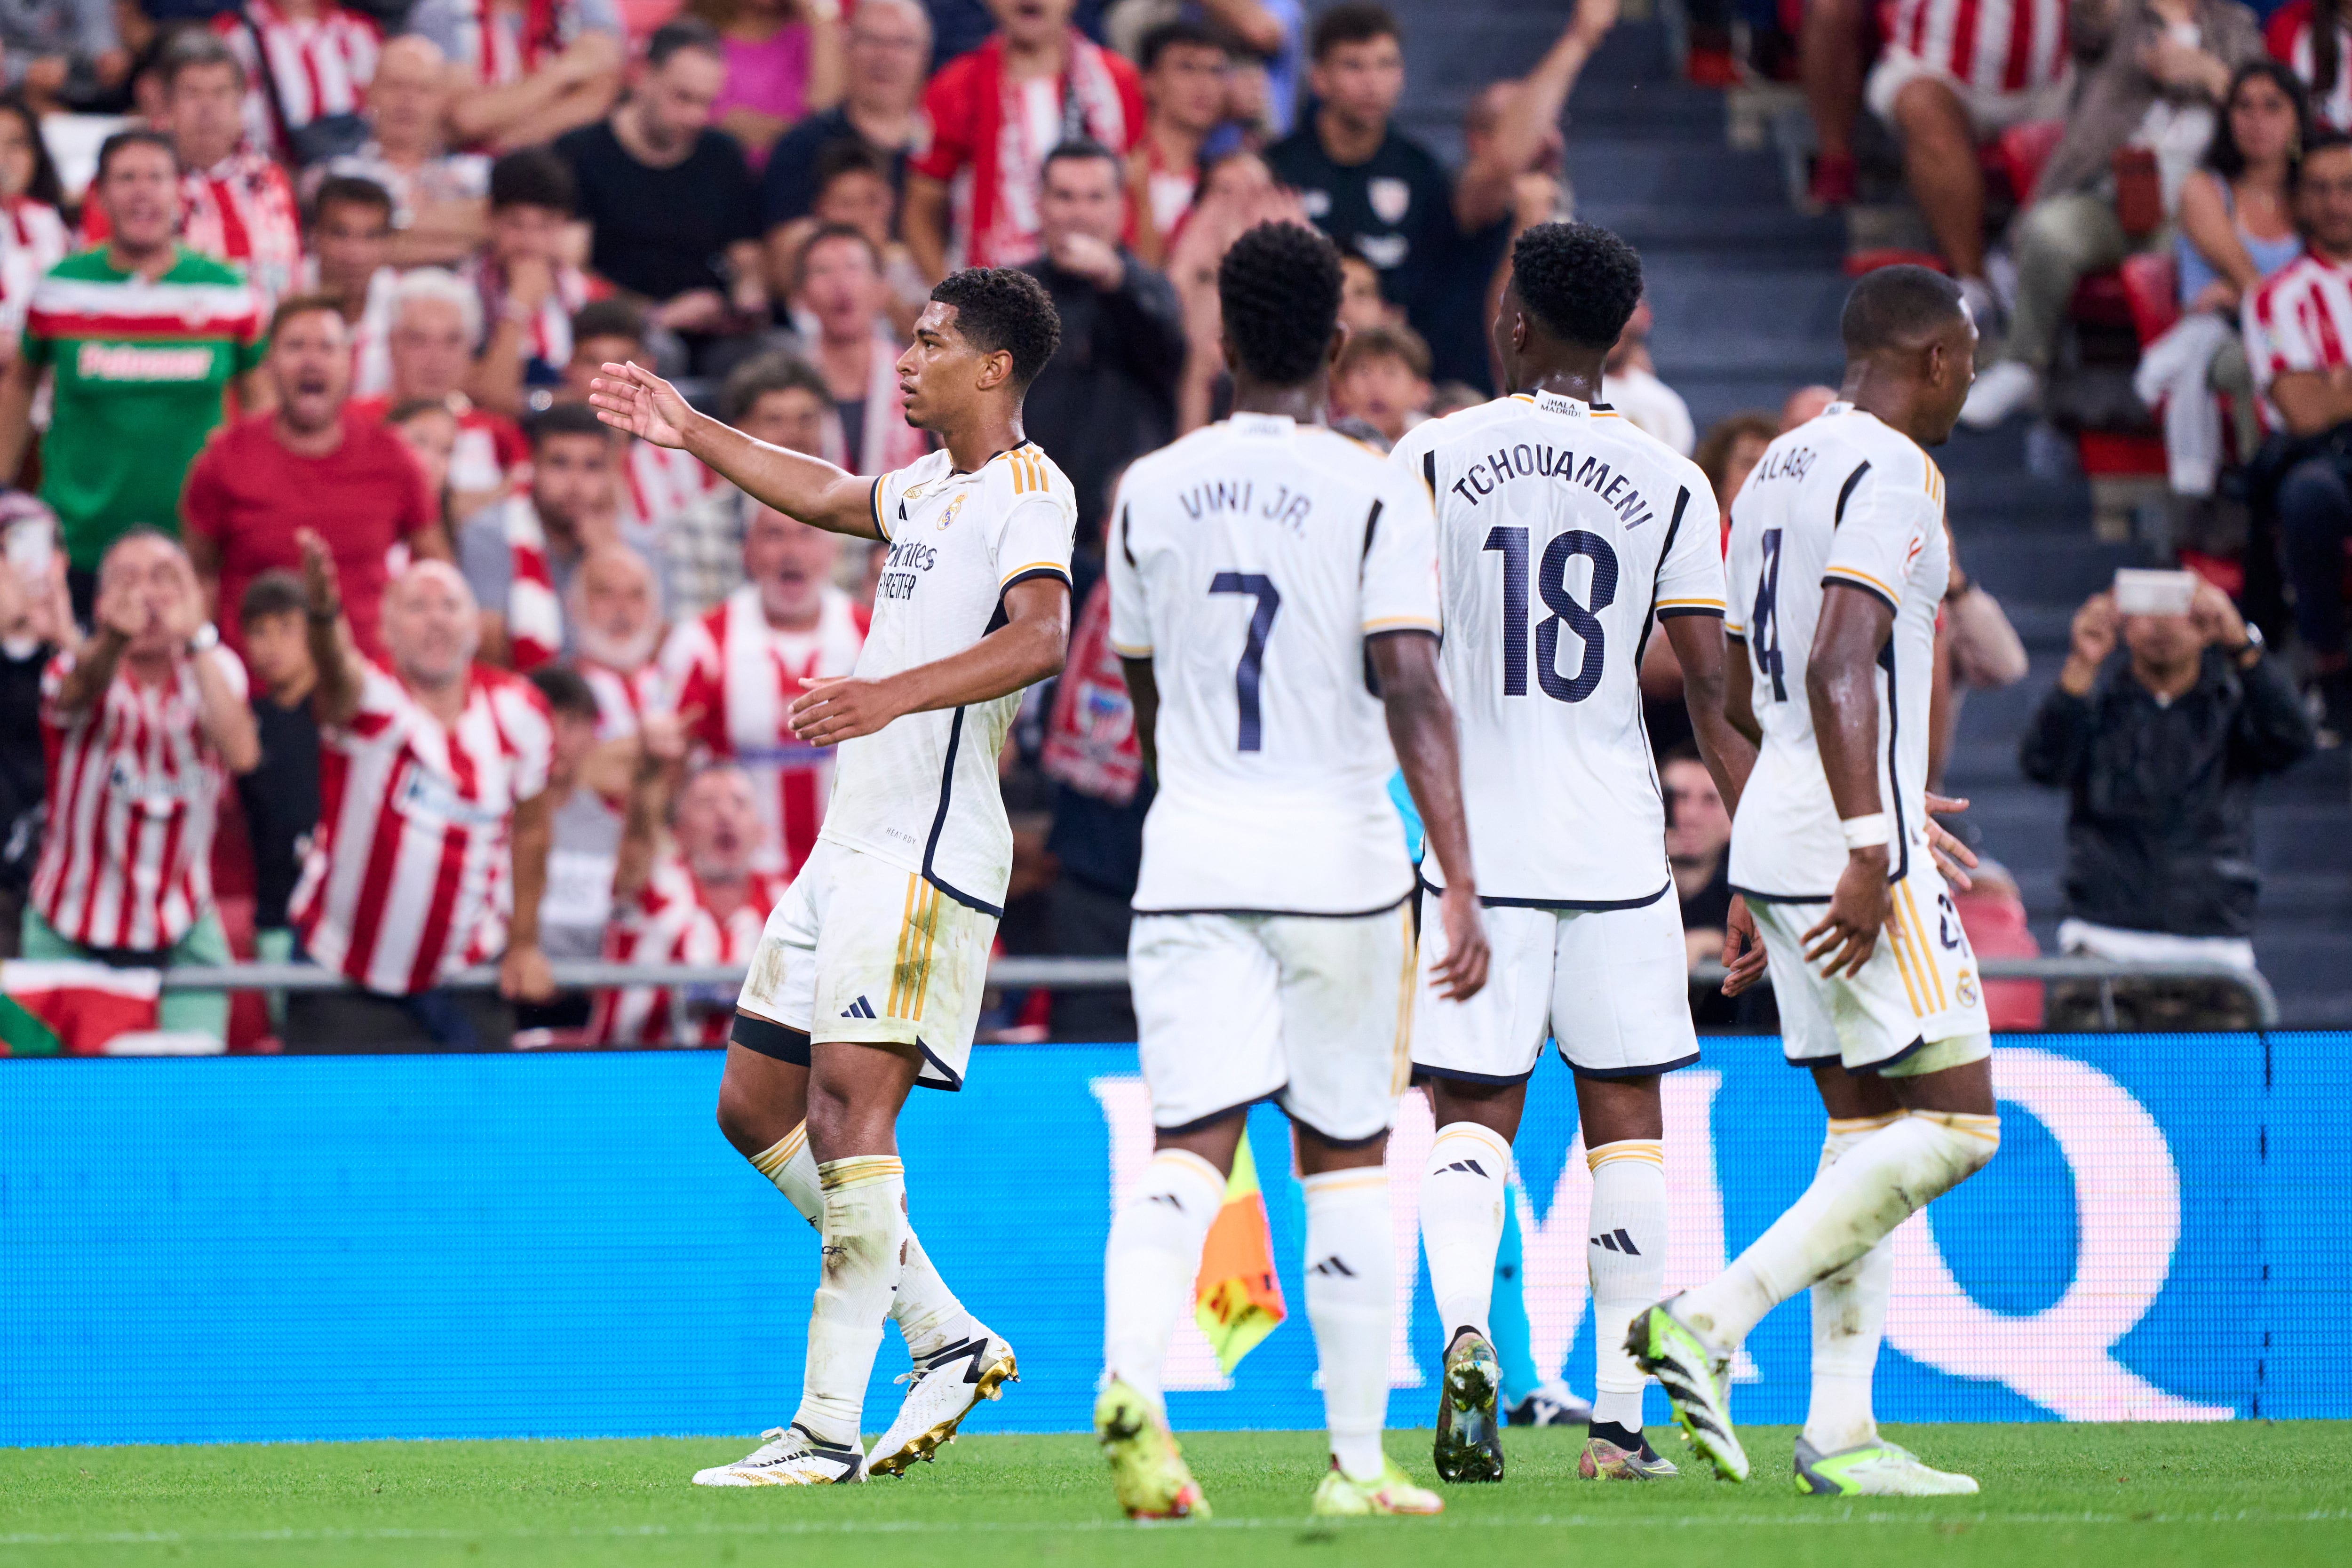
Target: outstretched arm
{"points": [[1421, 728], [630, 397], [333, 653], [1029, 647]]}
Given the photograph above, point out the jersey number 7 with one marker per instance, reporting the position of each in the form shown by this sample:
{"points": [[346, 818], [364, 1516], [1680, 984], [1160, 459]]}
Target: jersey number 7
{"points": [[1551, 581], [1245, 675]]}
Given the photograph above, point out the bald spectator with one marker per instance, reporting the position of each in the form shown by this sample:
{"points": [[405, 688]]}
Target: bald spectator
{"points": [[473, 822], [308, 467], [523, 72], [1805, 404], [887, 46], [520, 556], [440, 199], [737, 670], [614, 610]]}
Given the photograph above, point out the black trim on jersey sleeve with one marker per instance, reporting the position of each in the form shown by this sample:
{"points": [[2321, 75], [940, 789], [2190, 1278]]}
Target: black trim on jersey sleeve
{"points": [[1057, 574], [1714, 610], [1429, 472], [767, 1038], [1845, 493], [1838, 580], [1125, 537], [1372, 526], [1665, 554], [940, 824], [1287, 914], [873, 505], [1902, 867], [1605, 1074]]}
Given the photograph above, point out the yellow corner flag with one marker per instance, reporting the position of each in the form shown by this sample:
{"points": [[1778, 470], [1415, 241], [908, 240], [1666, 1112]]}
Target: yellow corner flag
{"points": [[1237, 1300]]}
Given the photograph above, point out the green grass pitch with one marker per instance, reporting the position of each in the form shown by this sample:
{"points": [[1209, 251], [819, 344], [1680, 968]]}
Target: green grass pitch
{"points": [[2085, 1496]]}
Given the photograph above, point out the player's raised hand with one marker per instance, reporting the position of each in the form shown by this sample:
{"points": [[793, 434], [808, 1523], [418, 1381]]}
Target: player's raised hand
{"points": [[1953, 858], [1846, 937], [1461, 972], [633, 398], [1743, 949], [834, 709]]}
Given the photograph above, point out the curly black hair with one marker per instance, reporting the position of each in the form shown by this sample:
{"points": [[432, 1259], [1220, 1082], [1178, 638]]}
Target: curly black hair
{"points": [[1580, 281], [1897, 306], [1279, 286], [1005, 308]]}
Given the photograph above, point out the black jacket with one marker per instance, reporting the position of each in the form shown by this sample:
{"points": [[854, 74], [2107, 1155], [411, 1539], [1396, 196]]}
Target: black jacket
{"points": [[2160, 831], [1108, 394]]}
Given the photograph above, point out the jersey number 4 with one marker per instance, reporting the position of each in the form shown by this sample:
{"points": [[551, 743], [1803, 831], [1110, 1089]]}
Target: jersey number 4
{"points": [[1551, 581], [1764, 624], [1245, 674]]}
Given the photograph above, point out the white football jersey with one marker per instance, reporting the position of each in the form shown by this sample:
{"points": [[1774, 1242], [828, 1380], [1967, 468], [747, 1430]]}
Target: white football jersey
{"points": [[1562, 529], [1844, 500], [1248, 561], [921, 793]]}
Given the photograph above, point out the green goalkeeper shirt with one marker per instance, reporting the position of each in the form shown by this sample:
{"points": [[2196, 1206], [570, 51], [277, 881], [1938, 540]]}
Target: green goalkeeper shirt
{"points": [[141, 371]]}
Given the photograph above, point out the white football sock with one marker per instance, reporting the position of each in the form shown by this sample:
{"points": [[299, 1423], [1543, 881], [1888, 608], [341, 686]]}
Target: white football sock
{"points": [[1152, 1261], [1463, 1191], [927, 1313], [1874, 1187], [1351, 1304], [1626, 1255], [865, 1227], [1849, 1317]]}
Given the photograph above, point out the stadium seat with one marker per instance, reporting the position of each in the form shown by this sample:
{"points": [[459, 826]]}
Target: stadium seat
{"points": [[2151, 284], [2023, 149]]}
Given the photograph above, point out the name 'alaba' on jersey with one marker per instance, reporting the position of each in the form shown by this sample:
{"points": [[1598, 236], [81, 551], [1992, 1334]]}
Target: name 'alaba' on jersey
{"points": [[1562, 530], [1249, 561], [1841, 499]]}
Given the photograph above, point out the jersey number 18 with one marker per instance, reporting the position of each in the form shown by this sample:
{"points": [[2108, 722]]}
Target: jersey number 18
{"points": [[1551, 581]]}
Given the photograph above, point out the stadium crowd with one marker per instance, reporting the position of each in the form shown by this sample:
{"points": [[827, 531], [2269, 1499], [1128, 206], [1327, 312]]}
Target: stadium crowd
{"points": [[301, 354]]}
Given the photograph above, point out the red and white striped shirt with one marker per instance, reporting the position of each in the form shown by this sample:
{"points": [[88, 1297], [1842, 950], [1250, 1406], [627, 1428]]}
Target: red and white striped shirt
{"points": [[134, 794], [548, 339], [33, 239], [662, 482], [1996, 46], [743, 674], [2300, 319], [671, 921], [622, 699], [408, 877], [321, 64], [2288, 36], [505, 44]]}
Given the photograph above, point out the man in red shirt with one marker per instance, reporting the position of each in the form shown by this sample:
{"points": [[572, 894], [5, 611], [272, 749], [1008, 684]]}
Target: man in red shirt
{"points": [[994, 115], [307, 465]]}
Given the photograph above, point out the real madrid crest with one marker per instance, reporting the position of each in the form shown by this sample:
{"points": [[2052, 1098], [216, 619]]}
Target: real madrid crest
{"points": [[948, 514], [1967, 989]]}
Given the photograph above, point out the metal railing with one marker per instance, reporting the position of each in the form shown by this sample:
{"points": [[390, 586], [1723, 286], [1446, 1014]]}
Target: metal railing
{"points": [[1111, 973]]}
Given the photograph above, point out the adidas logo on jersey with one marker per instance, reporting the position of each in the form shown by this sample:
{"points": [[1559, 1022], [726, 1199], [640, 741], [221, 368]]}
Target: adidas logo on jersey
{"points": [[861, 1008], [1617, 1241], [1333, 1268]]}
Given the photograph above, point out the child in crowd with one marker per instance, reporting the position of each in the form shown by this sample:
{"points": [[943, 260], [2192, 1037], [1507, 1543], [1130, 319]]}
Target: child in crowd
{"points": [[1382, 379], [281, 796]]}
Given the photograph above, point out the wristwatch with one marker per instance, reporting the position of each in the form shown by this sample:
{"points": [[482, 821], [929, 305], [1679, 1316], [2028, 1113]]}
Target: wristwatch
{"points": [[205, 639], [2253, 645]]}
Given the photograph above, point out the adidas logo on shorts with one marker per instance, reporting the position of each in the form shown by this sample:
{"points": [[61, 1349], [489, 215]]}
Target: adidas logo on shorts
{"points": [[861, 1008]]}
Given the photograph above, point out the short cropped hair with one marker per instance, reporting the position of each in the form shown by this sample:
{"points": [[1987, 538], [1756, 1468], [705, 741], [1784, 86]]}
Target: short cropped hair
{"points": [[1896, 306], [1387, 342], [295, 305], [1581, 282], [1004, 308], [849, 232], [565, 419], [1083, 150], [613, 318], [351, 191], [1278, 288], [123, 141], [275, 592], [1356, 22], [191, 47], [844, 155], [1179, 34], [566, 690], [756, 378], [682, 32], [2322, 140], [533, 178]]}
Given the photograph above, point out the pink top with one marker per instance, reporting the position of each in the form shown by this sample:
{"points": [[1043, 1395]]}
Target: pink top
{"points": [[772, 77]]}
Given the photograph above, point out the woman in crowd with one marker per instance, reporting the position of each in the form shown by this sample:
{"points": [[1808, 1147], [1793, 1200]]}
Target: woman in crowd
{"points": [[783, 61], [2142, 119], [2236, 229], [32, 235]]}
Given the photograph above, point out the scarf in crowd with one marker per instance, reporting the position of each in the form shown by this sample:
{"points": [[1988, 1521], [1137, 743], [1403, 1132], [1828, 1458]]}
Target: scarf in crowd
{"points": [[534, 616], [1090, 742], [887, 442], [1092, 109]]}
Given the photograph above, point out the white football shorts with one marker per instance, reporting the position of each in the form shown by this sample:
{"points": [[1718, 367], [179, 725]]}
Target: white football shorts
{"points": [[1918, 986], [1313, 1012], [1611, 985], [859, 950]]}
